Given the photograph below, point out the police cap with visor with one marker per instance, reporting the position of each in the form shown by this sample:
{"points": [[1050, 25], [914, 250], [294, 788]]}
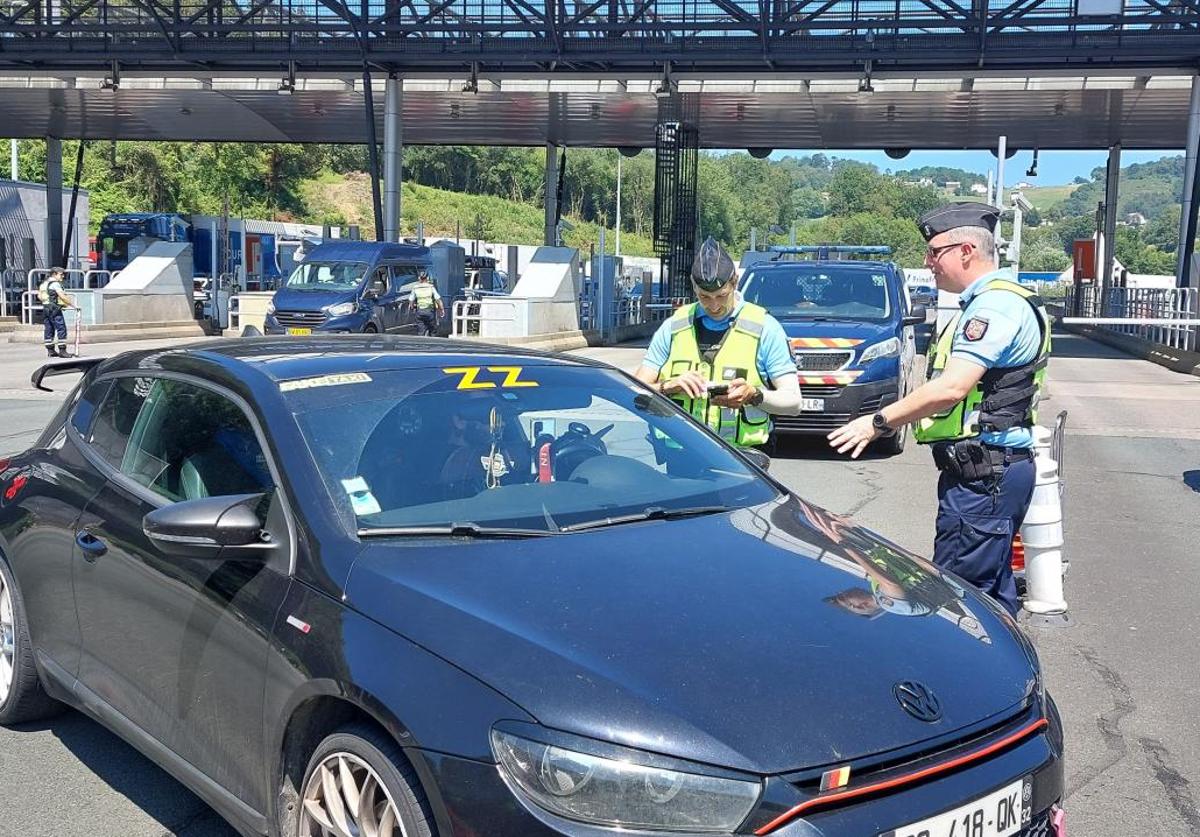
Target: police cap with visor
{"points": [[713, 268], [955, 215]]}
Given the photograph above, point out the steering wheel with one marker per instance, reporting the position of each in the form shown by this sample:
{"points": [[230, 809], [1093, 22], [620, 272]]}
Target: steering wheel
{"points": [[575, 446], [583, 430]]}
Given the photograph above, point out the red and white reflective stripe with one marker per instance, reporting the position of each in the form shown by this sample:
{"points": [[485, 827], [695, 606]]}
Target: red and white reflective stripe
{"points": [[824, 342], [828, 799], [830, 379]]}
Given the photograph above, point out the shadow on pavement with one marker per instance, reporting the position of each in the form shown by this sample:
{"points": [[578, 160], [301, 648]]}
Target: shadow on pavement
{"points": [[794, 447], [1068, 345], [133, 776]]}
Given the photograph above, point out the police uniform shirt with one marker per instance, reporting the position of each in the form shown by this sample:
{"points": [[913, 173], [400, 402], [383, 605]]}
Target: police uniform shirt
{"points": [[774, 353], [997, 329], [56, 292], [412, 295]]}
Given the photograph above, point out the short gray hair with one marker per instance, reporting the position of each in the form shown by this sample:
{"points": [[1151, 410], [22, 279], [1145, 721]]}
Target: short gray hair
{"points": [[982, 239]]}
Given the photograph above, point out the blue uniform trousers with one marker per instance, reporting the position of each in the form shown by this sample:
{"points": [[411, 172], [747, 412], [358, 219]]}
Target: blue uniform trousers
{"points": [[426, 323], [54, 327], [975, 526]]}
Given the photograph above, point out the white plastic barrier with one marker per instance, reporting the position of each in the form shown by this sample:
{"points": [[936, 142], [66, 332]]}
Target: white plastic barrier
{"points": [[1042, 532]]}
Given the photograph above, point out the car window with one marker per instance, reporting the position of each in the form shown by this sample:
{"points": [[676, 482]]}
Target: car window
{"points": [[85, 407], [326, 276], [403, 275], [534, 447], [190, 442], [109, 432]]}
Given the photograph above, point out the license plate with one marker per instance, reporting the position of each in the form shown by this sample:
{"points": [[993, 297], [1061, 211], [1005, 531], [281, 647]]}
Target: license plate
{"points": [[999, 814], [299, 331], [812, 405]]}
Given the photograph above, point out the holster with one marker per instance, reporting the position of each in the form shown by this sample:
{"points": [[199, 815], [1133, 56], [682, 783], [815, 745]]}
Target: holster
{"points": [[966, 460]]}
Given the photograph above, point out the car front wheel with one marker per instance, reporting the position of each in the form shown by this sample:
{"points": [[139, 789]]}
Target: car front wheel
{"points": [[22, 697], [359, 783]]}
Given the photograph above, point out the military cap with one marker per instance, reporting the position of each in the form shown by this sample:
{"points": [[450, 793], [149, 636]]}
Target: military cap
{"points": [[955, 215], [713, 268]]}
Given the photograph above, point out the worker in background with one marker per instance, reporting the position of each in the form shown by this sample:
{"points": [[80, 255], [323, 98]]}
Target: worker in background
{"points": [[54, 299], [726, 361], [428, 304], [986, 373]]}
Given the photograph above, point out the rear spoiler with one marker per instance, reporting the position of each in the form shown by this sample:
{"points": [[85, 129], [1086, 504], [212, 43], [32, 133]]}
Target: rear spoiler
{"points": [[62, 367]]}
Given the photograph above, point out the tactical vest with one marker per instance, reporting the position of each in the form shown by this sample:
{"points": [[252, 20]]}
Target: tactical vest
{"points": [[1004, 397], [47, 295], [425, 298], [736, 356]]}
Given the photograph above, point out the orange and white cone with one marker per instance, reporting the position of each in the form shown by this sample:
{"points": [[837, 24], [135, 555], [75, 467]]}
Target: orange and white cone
{"points": [[1042, 536]]}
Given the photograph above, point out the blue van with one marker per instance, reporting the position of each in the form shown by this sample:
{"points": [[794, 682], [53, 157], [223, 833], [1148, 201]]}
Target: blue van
{"points": [[851, 330], [350, 287]]}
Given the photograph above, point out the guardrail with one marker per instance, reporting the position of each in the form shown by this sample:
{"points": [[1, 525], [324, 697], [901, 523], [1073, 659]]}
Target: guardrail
{"points": [[468, 315], [1166, 316]]}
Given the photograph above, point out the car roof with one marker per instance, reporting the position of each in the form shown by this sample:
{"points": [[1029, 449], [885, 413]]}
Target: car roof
{"points": [[366, 251], [287, 358]]}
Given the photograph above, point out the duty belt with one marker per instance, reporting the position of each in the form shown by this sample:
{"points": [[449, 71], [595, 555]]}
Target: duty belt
{"points": [[971, 459]]}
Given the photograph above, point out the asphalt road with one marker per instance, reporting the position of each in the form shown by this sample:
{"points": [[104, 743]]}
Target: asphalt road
{"points": [[1126, 674]]}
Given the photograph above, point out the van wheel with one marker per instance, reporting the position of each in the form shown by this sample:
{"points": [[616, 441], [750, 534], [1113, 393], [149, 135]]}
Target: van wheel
{"points": [[22, 697], [358, 782], [893, 445], [370, 328]]}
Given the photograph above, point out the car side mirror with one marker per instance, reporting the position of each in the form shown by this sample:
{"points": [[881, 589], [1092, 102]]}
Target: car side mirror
{"points": [[756, 456], [209, 527], [916, 316]]}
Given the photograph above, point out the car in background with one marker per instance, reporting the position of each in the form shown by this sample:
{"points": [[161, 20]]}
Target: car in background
{"points": [[922, 294], [850, 326], [383, 586]]}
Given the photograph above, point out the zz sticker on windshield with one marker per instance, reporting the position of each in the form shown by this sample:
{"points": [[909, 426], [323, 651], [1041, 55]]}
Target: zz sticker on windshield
{"points": [[512, 377]]}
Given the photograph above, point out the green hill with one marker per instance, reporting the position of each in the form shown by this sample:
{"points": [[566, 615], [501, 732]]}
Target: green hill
{"points": [[1045, 198]]}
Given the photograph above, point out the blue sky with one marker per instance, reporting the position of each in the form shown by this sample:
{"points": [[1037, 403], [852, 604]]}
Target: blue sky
{"points": [[1054, 167]]}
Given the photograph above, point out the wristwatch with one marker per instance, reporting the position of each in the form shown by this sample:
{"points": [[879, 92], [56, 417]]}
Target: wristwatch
{"points": [[757, 398], [881, 425]]}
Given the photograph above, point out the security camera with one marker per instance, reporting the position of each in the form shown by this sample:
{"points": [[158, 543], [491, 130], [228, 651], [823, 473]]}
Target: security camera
{"points": [[1021, 202]]}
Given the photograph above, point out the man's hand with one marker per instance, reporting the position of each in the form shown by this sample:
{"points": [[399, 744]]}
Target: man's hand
{"points": [[739, 393], [854, 437], [691, 383]]}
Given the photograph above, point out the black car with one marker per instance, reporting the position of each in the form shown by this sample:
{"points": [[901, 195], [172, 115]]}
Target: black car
{"points": [[381, 586]]}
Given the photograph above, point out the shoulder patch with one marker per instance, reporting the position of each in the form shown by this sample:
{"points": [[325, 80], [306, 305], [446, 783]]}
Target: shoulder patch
{"points": [[975, 328]]}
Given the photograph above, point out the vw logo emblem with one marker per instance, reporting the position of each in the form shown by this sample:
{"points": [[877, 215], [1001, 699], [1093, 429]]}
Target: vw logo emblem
{"points": [[918, 700]]}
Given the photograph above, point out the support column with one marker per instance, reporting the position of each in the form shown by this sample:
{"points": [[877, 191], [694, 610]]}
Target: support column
{"points": [[54, 207], [393, 157], [1111, 188], [1188, 198], [550, 237]]}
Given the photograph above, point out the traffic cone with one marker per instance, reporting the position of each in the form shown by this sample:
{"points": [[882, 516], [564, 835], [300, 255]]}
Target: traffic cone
{"points": [[1042, 538]]}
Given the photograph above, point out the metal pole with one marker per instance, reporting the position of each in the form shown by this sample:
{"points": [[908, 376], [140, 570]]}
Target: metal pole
{"points": [[551, 197], [393, 157], [14, 163], [1112, 183], [990, 184], [54, 207], [1001, 153], [373, 153], [618, 241], [1186, 200]]}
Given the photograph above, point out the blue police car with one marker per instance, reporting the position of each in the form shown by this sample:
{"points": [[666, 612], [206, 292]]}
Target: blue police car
{"points": [[850, 325]]}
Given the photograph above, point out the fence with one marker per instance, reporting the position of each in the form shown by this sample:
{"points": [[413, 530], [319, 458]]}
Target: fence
{"points": [[1149, 313]]}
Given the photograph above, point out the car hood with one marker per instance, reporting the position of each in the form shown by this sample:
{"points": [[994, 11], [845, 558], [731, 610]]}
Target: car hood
{"points": [[868, 332], [292, 300], [729, 639]]}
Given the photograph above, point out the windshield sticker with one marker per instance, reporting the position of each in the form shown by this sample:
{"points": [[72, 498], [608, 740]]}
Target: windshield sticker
{"points": [[469, 374], [361, 498], [326, 381]]}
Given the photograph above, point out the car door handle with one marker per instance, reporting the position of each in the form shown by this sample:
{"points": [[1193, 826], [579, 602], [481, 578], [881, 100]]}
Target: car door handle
{"points": [[91, 545]]}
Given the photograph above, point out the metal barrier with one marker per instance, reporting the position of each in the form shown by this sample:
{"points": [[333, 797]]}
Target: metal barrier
{"points": [[1058, 438], [468, 314], [1150, 313]]}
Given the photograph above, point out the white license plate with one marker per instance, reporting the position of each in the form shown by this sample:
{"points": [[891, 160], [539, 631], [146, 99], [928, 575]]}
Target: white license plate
{"points": [[998, 814], [300, 331], [812, 405]]}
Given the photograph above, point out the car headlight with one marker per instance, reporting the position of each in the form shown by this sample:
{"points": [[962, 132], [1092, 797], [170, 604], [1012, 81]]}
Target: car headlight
{"points": [[614, 793], [342, 309], [884, 348], [270, 309]]}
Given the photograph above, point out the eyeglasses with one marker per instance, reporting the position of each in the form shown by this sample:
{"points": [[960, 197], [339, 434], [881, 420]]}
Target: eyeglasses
{"points": [[933, 253]]}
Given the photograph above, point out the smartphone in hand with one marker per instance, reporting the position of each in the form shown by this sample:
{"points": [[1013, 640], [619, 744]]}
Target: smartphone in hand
{"points": [[718, 389]]}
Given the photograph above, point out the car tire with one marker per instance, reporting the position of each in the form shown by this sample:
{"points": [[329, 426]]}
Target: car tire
{"points": [[22, 697], [369, 764], [893, 445], [370, 328]]}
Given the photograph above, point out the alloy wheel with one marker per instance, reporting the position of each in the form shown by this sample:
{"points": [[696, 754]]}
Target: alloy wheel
{"points": [[346, 798], [8, 640]]}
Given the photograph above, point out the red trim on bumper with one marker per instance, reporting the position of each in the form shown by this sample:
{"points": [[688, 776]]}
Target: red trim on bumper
{"points": [[900, 781]]}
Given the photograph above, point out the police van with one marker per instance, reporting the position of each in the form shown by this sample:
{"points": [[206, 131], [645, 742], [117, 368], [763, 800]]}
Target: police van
{"points": [[850, 324]]}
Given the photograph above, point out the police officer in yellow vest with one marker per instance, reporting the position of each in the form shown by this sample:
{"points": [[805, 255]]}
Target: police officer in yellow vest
{"points": [[54, 299], [726, 361], [987, 369], [428, 304]]}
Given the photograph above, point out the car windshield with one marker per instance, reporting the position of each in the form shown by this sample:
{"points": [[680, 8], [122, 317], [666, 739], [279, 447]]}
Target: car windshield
{"points": [[528, 450], [327, 276], [833, 292]]}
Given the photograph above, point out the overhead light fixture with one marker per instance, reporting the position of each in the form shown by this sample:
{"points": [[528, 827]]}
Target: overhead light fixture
{"points": [[666, 85], [112, 81], [288, 83], [472, 84], [1032, 172], [864, 83]]}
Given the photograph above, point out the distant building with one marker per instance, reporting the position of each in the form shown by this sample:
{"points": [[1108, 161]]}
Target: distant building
{"points": [[1135, 219], [978, 189]]}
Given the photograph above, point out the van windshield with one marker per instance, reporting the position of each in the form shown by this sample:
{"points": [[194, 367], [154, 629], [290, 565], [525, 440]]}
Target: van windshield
{"points": [[821, 291], [327, 276]]}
